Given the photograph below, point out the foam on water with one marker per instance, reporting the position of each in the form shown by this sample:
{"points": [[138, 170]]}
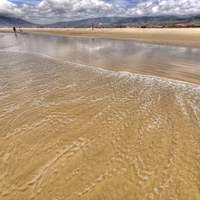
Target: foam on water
{"points": [[70, 131]]}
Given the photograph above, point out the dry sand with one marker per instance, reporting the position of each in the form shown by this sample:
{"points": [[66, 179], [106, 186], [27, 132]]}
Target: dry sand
{"points": [[172, 36]]}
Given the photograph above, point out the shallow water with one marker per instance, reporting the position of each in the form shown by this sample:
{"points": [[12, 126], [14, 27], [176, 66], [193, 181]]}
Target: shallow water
{"points": [[73, 131], [175, 62]]}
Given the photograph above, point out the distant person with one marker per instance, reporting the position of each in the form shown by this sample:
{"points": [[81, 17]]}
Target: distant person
{"points": [[14, 29], [20, 30]]}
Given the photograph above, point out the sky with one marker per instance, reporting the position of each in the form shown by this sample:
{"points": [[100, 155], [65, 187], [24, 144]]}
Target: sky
{"points": [[51, 11]]}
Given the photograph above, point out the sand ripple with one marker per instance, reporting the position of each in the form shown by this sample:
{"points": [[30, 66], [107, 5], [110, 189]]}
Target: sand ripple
{"points": [[69, 131]]}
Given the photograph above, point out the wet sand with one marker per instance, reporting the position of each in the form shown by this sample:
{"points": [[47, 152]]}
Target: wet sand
{"points": [[174, 56], [171, 36], [71, 131]]}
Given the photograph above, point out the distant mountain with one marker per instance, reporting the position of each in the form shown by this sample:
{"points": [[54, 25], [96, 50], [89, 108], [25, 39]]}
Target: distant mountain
{"points": [[195, 18], [128, 21], [109, 21], [11, 21], [144, 20]]}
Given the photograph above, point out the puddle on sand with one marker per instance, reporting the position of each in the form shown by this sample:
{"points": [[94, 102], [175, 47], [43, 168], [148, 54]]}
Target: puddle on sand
{"points": [[69, 131]]}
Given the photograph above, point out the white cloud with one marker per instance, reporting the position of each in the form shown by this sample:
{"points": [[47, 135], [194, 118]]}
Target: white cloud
{"points": [[66, 10], [50, 11], [165, 7]]}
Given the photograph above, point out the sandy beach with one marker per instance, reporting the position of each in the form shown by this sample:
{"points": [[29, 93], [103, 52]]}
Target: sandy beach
{"points": [[171, 36], [79, 133], [75, 124], [177, 37]]}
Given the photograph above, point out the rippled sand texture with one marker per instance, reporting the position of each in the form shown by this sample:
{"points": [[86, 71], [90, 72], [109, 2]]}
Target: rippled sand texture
{"points": [[73, 132]]}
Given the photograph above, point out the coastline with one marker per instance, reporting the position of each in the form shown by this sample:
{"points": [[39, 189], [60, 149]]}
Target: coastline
{"points": [[181, 37], [101, 135], [168, 36]]}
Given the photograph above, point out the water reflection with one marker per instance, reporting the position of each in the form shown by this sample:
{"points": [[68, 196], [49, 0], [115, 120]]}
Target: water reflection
{"points": [[9, 40], [174, 62]]}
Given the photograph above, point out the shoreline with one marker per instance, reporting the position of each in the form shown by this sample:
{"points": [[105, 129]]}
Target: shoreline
{"points": [[182, 38], [80, 129], [168, 36]]}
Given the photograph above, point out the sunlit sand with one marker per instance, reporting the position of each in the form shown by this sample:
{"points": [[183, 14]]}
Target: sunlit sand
{"points": [[72, 131], [177, 36]]}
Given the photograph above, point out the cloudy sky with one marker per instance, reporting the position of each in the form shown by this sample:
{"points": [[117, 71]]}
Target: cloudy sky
{"points": [[50, 11]]}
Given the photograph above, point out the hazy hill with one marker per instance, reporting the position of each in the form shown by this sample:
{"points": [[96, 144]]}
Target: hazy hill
{"points": [[109, 21], [11, 21], [88, 22], [145, 20], [130, 21]]}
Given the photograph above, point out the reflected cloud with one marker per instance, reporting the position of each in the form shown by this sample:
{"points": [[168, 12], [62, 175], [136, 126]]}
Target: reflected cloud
{"points": [[117, 55]]}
